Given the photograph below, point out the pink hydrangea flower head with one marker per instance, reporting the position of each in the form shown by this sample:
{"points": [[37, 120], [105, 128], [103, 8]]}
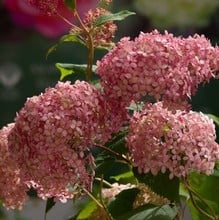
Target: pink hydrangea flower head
{"points": [[43, 15], [160, 140], [52, 136], [157, 65], [12, 189], [102, 35]]}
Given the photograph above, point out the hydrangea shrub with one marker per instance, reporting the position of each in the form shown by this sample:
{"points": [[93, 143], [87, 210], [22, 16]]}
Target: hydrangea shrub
{"points": [[130, 141]]}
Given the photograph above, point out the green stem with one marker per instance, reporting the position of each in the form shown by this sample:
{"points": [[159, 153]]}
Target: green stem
{"points": [[104, 181], [90, 46], [192, 193], [93, 198], [112, 152], [100, 204]]}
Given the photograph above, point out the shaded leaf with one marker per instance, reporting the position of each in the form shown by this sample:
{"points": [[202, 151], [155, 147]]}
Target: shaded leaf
{"points": [[70, 4], [123, 202], [118, 143], [161, 184], [103, 165], [71, 37], [151, 212], [49, 204], [51, 49], [112, 17]]}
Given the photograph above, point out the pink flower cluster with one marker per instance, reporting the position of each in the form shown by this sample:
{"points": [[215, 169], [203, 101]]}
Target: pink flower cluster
{"points": [[52, 136], [160, 140], [12, 189], [43, 16], [159, 66], [102, 35]]}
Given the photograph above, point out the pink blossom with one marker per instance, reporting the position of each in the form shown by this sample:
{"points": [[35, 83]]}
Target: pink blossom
{"points": [[158, 66], [102, 35], [48, 24], [53, 134], [12, 189], [161, 141]]}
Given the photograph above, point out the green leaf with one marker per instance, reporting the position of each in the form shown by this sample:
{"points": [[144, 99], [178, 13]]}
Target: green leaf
{"points": [[161, 184], [127, 177], [71, 37], [70, 4], [214, 118], [87, 211], [64, 71], [151, 212], [49, 204], [183, 192], [112, 17], [51, 49], [67, 69], [208, 188], [110, 167], [103, 165], [118, 143], [123, 202]]}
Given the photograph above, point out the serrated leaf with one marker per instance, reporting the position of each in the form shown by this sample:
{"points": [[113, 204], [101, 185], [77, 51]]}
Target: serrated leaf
{"points": [[49, 204], [112, 17], [87, 211], [214, 118], [70, 4]]}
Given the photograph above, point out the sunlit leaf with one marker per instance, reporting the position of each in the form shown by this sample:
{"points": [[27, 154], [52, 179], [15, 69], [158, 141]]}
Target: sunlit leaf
{"points": [[67, 69], [214, 118], [127, 177], [112, 17], [87, 211], [71, 37], [208, 188], [64, 71]]}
